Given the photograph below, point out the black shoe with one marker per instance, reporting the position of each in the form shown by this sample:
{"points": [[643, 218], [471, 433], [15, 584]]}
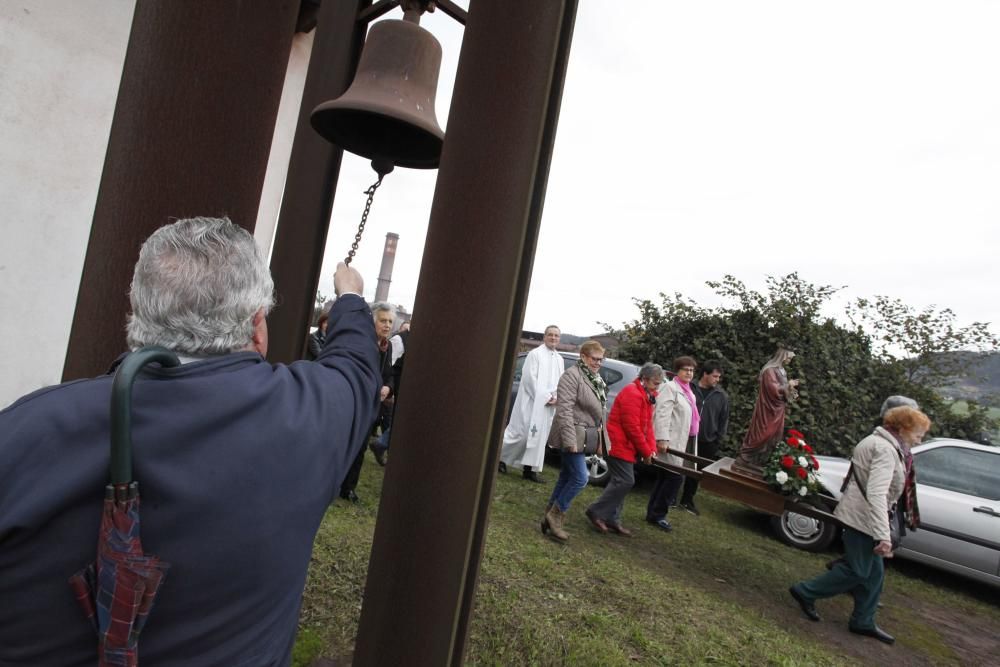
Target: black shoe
{"points": [[662, 524], [808, 608], [502, 468], [350, 495], [689, 506], [532, 476], [876, 632]]}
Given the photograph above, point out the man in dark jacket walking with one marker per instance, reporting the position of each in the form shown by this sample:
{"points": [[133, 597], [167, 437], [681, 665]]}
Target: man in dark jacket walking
{"points": [[713, 406], [237, 458]]}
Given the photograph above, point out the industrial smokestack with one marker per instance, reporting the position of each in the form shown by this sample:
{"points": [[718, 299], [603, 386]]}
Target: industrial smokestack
{"points": [[385, 272]]}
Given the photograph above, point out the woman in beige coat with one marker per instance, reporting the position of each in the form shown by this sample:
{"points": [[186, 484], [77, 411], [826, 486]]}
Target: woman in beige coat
{"points": [[581, 399], [874, 484], [675, 422]]}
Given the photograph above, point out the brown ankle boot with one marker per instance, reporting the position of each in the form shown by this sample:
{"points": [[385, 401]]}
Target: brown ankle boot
{"points": [[555, 517]]}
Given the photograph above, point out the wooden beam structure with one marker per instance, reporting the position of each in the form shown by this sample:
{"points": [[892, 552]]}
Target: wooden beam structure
{"points": [[191, 135], [471, 297]]}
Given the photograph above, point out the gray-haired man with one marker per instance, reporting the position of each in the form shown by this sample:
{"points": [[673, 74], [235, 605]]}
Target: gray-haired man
{"points": [[238, 460]]}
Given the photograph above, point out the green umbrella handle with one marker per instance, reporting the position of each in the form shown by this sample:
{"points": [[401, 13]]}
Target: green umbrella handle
{"points": [[121, 407]]}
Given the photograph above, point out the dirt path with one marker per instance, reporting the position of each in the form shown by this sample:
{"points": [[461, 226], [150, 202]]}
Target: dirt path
{"points": [[928, 633], [975, 640]]}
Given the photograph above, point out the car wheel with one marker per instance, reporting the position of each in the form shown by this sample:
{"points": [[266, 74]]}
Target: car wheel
{"points": [[598, 472], [804, 532]]}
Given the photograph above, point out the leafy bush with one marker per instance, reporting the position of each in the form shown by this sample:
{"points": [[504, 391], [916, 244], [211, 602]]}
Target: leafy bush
{"points": [[843, 379]]}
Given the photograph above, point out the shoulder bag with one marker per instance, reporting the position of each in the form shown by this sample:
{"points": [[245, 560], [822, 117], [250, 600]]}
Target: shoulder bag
{"points": [[588, 439]]}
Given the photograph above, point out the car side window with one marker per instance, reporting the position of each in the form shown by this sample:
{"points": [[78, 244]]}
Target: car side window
{"points": [[610, 376], [967, 471]]}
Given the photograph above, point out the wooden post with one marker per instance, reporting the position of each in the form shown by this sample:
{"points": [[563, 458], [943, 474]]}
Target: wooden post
{"points": [[191, 136], [471, 297]]}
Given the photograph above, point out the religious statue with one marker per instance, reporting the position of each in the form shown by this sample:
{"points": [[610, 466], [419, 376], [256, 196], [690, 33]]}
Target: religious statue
{"points": [[767, 425]]}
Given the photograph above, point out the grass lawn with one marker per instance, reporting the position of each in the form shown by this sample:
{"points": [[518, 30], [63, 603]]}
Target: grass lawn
{"points": [[714, 591]]}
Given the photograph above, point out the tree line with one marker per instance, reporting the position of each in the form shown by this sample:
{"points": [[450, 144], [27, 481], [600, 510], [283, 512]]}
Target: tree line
{"points": [[846, 370]]}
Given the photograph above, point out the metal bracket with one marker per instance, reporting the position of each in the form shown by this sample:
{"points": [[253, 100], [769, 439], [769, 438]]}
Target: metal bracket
{"points": [[383, 7]]}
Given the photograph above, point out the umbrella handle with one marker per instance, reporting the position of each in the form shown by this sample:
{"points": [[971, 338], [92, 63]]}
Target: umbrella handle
{"points": [[121, 407]]}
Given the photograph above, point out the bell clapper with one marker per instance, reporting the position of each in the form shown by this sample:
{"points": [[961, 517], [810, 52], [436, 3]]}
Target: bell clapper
{"points": [[381, 167]]}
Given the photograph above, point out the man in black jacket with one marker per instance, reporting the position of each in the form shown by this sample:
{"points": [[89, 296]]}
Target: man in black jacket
{"points": [[383, 315], [713, 406]]}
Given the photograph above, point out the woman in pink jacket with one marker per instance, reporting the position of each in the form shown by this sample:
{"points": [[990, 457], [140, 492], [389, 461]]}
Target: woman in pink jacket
{"points": [[630, 428]]}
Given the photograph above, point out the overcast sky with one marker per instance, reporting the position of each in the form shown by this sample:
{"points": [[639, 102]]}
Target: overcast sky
{"points": [[857, 143]]}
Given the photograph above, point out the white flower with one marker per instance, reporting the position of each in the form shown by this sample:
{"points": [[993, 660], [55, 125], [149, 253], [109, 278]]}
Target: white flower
{"points": [[803, 462], [781, 477], [803, 490]]}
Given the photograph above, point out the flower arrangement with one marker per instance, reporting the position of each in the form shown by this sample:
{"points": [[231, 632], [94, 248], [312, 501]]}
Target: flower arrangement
{"points": [[792, 467]]}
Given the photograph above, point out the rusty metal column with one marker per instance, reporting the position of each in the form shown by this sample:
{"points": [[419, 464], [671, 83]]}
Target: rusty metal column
{"points": [[471, 297], [313, 170], [191, 136]]}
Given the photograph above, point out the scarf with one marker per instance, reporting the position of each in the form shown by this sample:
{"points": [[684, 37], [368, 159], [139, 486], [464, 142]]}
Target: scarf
{"points": [[695, 417], [595, 381], [908, 499]]}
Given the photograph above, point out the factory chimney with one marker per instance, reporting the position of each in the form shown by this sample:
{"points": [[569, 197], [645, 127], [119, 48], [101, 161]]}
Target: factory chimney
{"points": [[385, 272]]}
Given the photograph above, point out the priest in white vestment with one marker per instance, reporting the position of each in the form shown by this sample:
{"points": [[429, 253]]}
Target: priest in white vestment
{"points": [[535, 405]]}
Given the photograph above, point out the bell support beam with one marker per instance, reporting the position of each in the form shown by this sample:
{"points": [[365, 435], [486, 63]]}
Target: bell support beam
{"points": [[190, 136], [313, 171], [470, 298]]}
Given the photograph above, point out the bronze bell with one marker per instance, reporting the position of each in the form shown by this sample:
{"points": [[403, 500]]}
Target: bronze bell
{"points": [[388, 112]]}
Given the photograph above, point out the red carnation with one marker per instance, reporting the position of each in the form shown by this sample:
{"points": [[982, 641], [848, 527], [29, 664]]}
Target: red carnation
{"points": [[814, 462], [801, 472], [809, 450], [795, 434], [793, 441], [787, 461]]}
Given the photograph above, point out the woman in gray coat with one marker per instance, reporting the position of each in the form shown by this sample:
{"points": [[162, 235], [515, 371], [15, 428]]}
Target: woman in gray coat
{"points": [[874, 484], [581, 399]]}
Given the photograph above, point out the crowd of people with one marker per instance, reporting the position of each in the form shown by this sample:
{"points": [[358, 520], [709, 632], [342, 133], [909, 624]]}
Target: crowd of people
{"points": [[239, 536], [661, 414], [657, 414]]}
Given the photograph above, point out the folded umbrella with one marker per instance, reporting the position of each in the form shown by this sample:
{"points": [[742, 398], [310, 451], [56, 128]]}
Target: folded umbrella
{"points": [[117, 590]]}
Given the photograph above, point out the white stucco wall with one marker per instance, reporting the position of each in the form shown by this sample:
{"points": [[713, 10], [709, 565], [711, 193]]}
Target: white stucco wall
{"points": [[60, 66]]}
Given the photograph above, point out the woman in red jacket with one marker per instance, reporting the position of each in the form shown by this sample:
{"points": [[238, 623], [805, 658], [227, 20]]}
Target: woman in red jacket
{"points": [[630, 428]]}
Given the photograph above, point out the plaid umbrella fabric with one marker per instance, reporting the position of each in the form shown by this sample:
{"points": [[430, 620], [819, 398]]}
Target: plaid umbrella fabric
{"points": [[117, 591]]}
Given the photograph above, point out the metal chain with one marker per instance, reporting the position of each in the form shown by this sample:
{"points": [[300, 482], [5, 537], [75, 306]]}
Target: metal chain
{"points": [[364, 218]]}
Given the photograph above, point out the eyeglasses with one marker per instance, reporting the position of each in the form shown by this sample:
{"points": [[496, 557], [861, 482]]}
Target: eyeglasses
{"points": [[687, 369], [599, 360]]}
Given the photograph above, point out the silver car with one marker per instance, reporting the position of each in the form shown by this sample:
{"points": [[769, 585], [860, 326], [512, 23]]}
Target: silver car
{"points": [[958, 489]]}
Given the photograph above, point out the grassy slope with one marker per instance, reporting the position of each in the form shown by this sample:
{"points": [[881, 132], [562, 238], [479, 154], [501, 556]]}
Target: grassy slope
{"points": [[711, 592]]}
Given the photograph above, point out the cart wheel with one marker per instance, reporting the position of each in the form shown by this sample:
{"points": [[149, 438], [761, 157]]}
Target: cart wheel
{"points": [[804, 532]]}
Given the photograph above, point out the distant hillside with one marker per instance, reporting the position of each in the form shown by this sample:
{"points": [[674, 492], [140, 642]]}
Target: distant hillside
{"points": [[981, 383]]}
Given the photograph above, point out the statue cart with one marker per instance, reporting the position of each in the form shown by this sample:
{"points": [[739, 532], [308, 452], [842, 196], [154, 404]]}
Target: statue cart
{"points": [[719, 477]]}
